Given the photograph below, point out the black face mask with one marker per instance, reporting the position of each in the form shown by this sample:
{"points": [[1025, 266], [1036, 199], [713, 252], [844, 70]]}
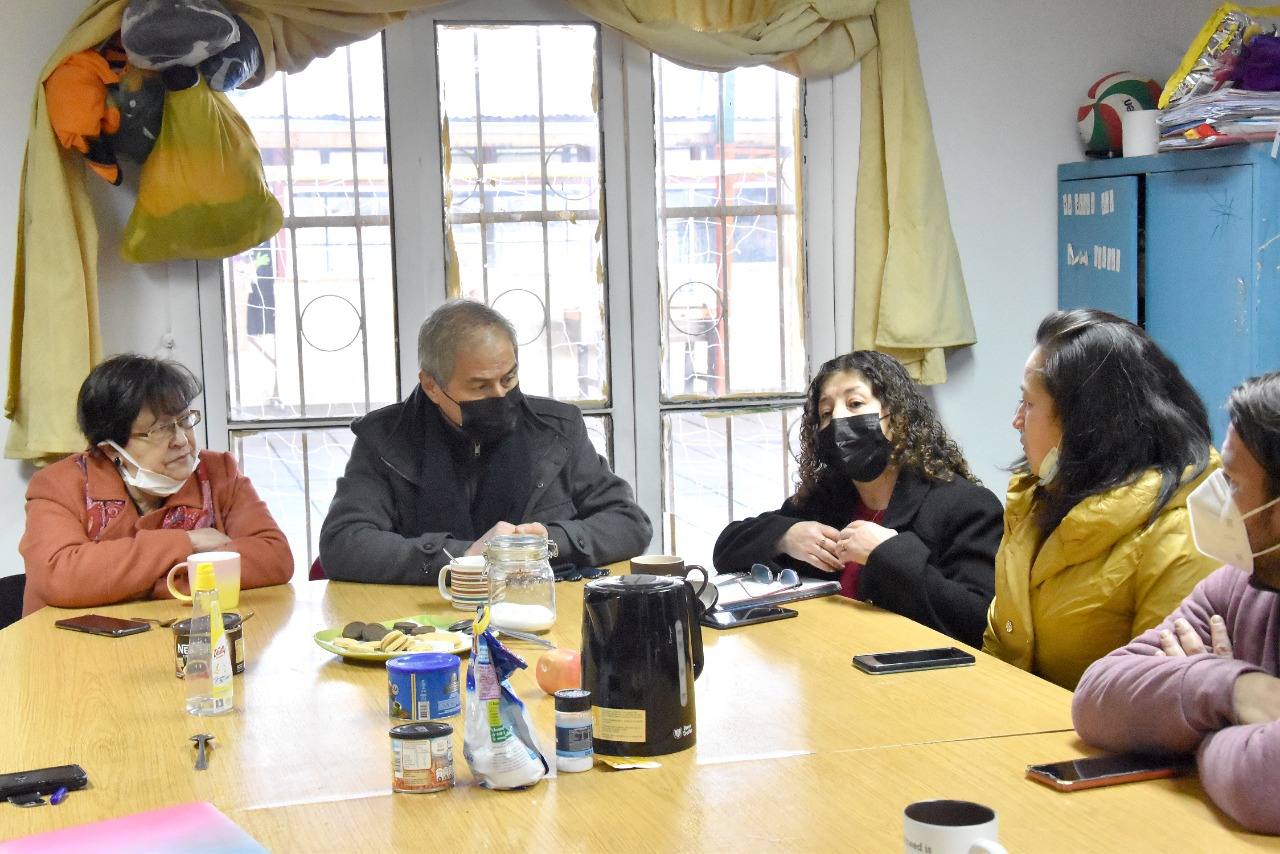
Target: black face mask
{"points": [[855, 446], [491, 418]]}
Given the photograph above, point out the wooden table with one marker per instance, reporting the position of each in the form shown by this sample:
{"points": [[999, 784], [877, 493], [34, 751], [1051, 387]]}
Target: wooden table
{"points": [[840, 801], [788, 732]]}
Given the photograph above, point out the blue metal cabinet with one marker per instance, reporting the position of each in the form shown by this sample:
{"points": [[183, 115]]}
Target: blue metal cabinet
{"points": [[1186, 244], [1098, 245]]}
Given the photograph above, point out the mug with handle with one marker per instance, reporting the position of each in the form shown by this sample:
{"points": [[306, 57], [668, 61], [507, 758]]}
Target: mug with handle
{"points": [[657, 565], [463, 582], [950, 827], [705, 594], [226, 568]]}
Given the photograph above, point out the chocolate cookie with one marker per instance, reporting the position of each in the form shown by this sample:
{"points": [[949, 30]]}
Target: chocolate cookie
{"points": [[353, 630], [406, 626], [374, 632], [422, 630]]}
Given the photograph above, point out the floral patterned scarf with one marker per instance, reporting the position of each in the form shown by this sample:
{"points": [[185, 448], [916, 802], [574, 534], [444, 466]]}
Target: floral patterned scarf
{"points": [[100, 512]]}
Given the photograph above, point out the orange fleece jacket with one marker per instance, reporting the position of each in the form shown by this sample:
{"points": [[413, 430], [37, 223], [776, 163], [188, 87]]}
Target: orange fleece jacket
{"points": [[133, 555]]}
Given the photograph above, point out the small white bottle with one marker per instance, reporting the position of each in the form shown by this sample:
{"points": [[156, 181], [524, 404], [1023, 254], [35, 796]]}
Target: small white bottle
{"points": [[208, 670], [574, 748]]}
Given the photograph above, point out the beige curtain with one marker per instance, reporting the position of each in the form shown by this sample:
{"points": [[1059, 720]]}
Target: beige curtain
{"points": [[54, 339], [909, 297], [909, 294]]}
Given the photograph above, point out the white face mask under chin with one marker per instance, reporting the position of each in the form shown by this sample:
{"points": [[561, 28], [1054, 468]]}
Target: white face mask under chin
{"points": [[1217, 525], [1049, 465], [148, 481]]}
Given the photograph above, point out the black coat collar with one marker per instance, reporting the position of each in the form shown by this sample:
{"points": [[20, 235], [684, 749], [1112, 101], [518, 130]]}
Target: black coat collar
{"points": [[908, 494]]}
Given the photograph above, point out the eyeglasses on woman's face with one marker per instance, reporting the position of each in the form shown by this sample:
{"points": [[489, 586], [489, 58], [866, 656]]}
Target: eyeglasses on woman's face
{"points": [[168, 431]]}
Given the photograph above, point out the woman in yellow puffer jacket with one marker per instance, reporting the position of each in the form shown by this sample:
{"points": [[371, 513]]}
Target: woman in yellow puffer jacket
{"points": [[1097, 544]]}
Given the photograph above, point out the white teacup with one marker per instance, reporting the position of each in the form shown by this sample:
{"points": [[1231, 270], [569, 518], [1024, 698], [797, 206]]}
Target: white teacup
{"points": [[226, 568], [950, 827], [464, 582]]}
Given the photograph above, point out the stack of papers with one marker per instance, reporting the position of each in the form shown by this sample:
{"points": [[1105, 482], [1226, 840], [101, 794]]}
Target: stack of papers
{"points": [[1224, 117], [738, 592]]}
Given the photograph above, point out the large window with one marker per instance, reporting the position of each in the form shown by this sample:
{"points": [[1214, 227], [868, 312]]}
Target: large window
{"points": [[729, 278], [518, 167], [309, 316]]}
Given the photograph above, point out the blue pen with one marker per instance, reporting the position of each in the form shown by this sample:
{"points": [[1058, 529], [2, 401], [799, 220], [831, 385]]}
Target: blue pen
{"points": [[58, 796]]}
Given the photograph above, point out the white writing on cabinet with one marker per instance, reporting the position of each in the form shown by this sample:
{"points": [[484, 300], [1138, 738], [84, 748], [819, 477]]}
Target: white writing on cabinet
{"points": [[1102, 257], [1106, 258], [1089, 203]]}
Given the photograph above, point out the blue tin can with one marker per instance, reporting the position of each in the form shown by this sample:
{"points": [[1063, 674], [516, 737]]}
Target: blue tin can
{"points": [[423, 686]]}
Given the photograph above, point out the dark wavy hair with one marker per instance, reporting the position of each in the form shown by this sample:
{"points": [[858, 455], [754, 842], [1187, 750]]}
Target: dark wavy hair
{"points": [[1124, 407], [1254, 408], [119, 387], [920, 443]]}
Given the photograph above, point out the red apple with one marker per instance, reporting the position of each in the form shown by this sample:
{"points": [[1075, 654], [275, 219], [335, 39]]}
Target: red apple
{"points": [[558, 669]]}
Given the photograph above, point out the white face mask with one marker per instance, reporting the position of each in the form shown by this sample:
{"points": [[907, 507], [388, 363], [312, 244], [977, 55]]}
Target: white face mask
{"points": [[1217, 526], [148, 481], [1049, 465]]}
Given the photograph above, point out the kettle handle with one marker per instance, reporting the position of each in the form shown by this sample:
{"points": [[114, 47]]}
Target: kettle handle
{"points": [[695, 612]]}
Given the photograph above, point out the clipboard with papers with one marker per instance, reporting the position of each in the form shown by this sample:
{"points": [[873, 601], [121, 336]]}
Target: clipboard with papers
{"points": [[738, 591]]}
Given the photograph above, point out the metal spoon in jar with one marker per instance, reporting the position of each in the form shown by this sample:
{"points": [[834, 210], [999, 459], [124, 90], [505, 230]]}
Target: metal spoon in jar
{"points": [[464, 626]]}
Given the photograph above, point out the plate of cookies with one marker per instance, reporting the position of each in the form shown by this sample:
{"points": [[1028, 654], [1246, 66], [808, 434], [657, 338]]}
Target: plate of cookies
{"points": [[380, 641]]}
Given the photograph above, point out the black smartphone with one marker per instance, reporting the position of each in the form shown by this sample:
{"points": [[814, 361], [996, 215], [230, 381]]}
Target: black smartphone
{"points": [[96, 624], [43, 781], [1096, 771], [718, 619], [912, 659]]}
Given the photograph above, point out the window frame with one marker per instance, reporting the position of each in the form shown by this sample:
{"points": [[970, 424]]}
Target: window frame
{"points": [[828, 168]]}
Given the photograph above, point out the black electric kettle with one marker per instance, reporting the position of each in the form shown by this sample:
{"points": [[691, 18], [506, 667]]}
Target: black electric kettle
{"points": [[641, 651]]}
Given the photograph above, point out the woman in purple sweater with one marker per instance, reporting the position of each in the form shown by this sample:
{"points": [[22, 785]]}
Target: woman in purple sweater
{"points": [[1206, 679]]}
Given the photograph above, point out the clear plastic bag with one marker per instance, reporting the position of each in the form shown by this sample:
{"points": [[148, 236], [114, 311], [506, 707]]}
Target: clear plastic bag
{"points": [[499, 741]]}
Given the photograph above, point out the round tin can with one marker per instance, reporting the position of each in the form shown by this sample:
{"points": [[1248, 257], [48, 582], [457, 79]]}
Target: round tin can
{"points": [[423, 686], [235, 639], [421, 757]]}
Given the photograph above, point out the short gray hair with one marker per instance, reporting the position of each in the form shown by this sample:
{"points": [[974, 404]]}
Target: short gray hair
{"points": [[448, 327]]}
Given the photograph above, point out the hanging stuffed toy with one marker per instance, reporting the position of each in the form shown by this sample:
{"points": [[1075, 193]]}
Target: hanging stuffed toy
{"points": [[235, 66], [139, 96], [160, 34], [81, 112], [186, 38]]}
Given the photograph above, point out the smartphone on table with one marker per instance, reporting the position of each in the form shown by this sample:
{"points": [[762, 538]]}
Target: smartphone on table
{"points": [[912, 659], [1094, 771], [718, 619], [96, 624]]}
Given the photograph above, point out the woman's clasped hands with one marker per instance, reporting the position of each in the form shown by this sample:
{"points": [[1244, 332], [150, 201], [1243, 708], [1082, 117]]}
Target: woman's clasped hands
{"points": [[860, 538], [824, 547], [814, 543]]}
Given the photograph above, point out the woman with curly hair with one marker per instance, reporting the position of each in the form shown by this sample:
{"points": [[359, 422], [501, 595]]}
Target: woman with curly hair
{"points": [[885, 499], [1098, 545]]}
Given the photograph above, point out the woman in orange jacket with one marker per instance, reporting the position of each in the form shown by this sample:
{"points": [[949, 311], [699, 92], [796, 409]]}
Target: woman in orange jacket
{"points": [[106, 524]]}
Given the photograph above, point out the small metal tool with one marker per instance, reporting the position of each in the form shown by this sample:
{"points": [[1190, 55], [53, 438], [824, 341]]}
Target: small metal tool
{"points": [[202, 759]]}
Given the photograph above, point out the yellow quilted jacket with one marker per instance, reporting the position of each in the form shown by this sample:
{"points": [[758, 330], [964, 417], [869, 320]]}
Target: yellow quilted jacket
{"points": [[1099, 580]]}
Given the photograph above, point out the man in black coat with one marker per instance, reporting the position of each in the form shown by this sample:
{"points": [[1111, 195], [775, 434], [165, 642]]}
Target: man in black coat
{"points": [[466, 456]]}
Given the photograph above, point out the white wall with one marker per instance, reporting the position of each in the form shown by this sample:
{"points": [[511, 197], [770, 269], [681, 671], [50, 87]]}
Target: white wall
{"points": [[1003, 85], [1003, 88], [39, 27]]}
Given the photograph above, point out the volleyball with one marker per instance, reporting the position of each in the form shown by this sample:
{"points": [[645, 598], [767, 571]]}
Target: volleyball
{"points": [[1099, 116]]}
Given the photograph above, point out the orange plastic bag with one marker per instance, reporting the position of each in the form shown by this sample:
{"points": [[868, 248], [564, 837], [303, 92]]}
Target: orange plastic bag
{"points": [[201, 192]]}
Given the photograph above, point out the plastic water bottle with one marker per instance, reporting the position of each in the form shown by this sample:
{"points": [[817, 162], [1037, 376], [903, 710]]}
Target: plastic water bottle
{"points": [[208, 670]]}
